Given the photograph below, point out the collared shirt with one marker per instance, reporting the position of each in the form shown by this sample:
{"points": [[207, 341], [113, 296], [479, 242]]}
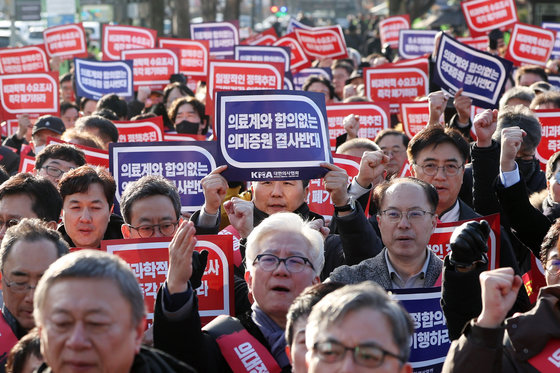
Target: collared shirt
{"points": [[415, 281], [509, 178], [451, 215]]}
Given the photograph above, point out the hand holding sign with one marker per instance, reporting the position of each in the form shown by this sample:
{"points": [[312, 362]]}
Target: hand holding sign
{"points": [[372, 167], [511, 140], [240, 214], [351, 126], [469, 244], [214, 186], [499, 292], [180, 258], [462, 104], [484, 126]]}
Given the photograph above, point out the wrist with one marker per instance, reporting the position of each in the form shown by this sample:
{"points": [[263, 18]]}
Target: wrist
{"points": [[483, 143], [507, 165], [176, 287], [484, 321], [210, 210], [364, 182]]}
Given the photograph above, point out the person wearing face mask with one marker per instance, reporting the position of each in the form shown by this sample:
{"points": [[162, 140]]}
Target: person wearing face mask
{"points": [[187, 116]]}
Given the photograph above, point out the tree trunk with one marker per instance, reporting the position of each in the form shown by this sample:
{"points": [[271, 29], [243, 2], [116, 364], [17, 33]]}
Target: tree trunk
{"points": [[233, 10], [182, 19], [209, 8], [414, 8], [155, 19]]}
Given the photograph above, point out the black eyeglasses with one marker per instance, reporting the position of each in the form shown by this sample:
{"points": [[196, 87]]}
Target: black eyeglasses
{"points": [[54, 171], [368, 355], [395, 215], [147, 231], [294, 264], [431, 169]]}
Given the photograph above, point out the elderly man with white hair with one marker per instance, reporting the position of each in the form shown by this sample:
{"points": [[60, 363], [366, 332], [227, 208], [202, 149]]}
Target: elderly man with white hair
{"points": [[284, 256]]}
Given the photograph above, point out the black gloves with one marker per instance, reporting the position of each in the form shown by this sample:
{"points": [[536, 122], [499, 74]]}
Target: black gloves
{"points": [[199, 261], [469, 244]]}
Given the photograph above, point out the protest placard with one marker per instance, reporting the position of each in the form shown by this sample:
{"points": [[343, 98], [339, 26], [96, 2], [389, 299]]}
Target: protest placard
{"points": [[146, 130], [272, 135], [439, 241], [480, 43], [30, 59], [94, 79], [415, 116], [221, 36], [530, 45], [481, 75], [298, 59], [322, 42], [374, 117], [183, 163], [534, 278], [550, 134], [416, 43], [556, 28], [193, 55], [430, 342], [389, 29], [29, 93], [554, 80], [483, 16], [267, 37], [318, 199], [119, 38], [237, 75], [148, 259], [301, 76], [26, 164], [94, 157], [152, 67], [263, 53], [65, 41], [397, 83]]}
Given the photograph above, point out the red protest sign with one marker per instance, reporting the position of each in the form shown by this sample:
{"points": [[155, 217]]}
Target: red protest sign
{"points": [[373, 118], [10, 125], [242, 76], [29, 93], [152, 67], [483, 16], [389, 29], [267, 37], [318, 199], [534, 279], [298, 59], [30, 59], [182, 137], [193, 54], [415, 116], [397, 83], [550, 134], [147, 130], [66, 41], [323, 42], [26, 164], [530, 45], [480, 43], [439, 241], [94, 157], [119, 38], [149, 260]]}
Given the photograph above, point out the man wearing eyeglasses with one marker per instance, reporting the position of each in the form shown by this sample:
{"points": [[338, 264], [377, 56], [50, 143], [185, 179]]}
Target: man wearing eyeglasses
{"points": [[393, 143], [27, 251], [284, 255], [358, 328], [407, 218], [57, 159]]}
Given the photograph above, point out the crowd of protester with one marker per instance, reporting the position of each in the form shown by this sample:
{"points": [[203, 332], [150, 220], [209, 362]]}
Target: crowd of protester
{"points": [[307, 290]]}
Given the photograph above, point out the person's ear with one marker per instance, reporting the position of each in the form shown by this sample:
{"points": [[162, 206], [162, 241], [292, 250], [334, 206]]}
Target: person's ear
{"points": [[249, 281], [289, 354], [125, 230], [52, 224], [139, 335]]}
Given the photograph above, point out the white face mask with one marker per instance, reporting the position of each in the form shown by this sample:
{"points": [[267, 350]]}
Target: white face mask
{"points": [[39, 148]]}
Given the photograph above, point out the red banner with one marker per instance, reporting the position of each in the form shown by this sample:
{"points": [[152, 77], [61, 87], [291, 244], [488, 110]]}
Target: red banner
{"points": [[94, 157], [31, 59], [152, 67], [483, 16], [415, 116], [397, 83], [298, 59], [193, 55], [242, 76], [323, 42], [534, 279], [389, 29], [147, 130], [119, 38], [26, 164], [267, 37], [550, 134], [66, 41], [149, 260], [480, 43], [318, 199], [439, 241], [373, 118], [530, 45], [29, 93]]}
